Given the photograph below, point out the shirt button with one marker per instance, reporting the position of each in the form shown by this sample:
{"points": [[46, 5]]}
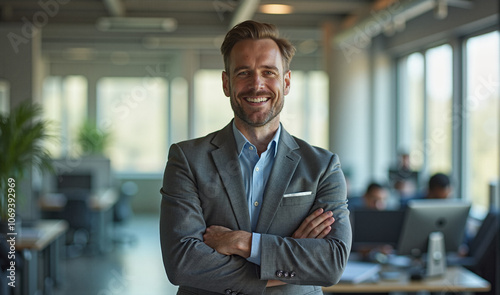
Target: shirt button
{"points": [[250, 148], [256, 204], [257, 169]]}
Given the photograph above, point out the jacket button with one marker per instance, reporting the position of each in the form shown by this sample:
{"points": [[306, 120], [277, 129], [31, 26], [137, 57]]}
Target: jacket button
{"points": [[279, 273], [292, 274], [286, 274], [228, 291]]}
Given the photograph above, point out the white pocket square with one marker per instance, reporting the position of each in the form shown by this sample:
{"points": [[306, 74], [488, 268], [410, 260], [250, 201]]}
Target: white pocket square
{"points": [[299, 194]]}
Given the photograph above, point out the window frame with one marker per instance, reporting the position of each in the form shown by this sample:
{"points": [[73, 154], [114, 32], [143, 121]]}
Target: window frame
{"points": [[460, 130]]}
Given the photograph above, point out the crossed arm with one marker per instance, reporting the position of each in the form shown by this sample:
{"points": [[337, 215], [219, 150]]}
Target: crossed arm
{"points": [[191, 250], [238, 242]]}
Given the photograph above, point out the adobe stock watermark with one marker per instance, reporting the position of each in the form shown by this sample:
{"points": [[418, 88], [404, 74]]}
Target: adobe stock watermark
{"points": [[30, 28], [363, 33], [132, 100], [120, 109], [221, 7], [117, 284], [485, 89]]}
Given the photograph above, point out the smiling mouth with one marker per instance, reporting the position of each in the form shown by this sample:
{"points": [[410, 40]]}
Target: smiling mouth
{"points": [[256, 99]]}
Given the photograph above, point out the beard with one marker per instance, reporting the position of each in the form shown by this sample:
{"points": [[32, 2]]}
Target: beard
{"points": [[261, 119]]}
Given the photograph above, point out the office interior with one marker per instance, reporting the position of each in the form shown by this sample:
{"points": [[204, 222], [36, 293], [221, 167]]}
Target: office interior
{"points": [[371, 80]]}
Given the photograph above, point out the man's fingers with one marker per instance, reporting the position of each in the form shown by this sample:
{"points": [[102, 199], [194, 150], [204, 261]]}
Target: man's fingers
{"points": [[319, 229], [315, 225], [302, 230], [327, 228]]}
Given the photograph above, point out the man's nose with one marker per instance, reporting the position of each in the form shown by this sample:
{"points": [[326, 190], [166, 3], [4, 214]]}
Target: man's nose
{"points": [[257, 81]]}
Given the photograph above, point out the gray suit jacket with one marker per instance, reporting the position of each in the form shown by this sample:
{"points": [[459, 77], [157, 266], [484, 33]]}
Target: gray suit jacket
{"points": [[203, 186]]}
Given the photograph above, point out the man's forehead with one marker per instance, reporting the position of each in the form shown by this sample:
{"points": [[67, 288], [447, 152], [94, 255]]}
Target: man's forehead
{"points": [[260, 49]]}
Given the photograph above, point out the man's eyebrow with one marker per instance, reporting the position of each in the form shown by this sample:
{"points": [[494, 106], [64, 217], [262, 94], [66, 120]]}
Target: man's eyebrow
{"points": [[237, 69], [270, 67]]}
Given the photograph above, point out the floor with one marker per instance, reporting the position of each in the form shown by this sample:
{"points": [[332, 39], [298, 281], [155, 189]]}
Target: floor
{"points": [[129, 269]]}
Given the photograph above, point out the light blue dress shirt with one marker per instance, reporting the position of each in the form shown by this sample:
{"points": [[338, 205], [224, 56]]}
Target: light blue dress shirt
{"points": [[255, 171]]}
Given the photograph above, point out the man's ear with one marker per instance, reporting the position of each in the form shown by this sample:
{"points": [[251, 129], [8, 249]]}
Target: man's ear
{"points": [[287, 78], [225, 83]]}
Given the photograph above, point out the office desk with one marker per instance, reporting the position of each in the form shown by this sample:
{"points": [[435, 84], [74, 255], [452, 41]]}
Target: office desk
{"points": [[44, 238], [456, 279], [101, 205]]}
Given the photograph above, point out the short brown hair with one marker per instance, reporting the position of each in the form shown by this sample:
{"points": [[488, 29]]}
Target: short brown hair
{"points": [[254, 30]]}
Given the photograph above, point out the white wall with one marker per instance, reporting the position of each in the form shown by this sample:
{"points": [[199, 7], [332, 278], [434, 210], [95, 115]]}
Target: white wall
{"points": [[361, 111], [383, 152], [349, 115]]}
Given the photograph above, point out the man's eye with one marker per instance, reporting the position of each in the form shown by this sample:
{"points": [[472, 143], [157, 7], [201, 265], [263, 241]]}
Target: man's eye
{"points": [[243, 73]]}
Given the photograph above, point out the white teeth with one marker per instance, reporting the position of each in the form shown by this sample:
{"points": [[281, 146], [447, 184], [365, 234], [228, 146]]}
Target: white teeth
{"points": [[256, 99]]}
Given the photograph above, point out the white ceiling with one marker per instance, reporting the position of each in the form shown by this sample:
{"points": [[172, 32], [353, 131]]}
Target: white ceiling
{"points": [[70, 25]]}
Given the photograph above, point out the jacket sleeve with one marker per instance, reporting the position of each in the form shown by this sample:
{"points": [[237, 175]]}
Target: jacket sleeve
{"points": [[187, 259], [313, 261]]}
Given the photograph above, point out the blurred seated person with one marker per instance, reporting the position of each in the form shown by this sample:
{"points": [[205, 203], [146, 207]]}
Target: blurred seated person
{"points": [[375, 197], [402, 179], [439, 187]]}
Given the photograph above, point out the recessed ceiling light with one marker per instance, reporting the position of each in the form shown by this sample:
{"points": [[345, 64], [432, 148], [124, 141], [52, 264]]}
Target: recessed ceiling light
{"points": [[138, 24], [276, 9], [79, 53]]}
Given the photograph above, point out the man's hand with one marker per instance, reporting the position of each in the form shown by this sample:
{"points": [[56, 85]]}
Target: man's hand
{"points": [[227, 241], [316, 226], [238, 242]]}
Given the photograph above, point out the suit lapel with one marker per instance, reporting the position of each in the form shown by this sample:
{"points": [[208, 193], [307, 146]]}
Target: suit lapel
{"points": [[284, 166], [228, 167]]}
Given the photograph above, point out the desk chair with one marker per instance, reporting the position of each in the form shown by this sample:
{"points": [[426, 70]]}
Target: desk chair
{"points": [[79, 216], [122, 212], [483, 251]]}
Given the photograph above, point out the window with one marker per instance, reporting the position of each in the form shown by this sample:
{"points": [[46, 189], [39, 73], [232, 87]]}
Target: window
{"points": [[425, 107], [178, 127], [134, 110], [482, 112], [4, 97], [212, 110], [411, 109], [439, 100], [426, 118], [304, 115], [65, 106]]}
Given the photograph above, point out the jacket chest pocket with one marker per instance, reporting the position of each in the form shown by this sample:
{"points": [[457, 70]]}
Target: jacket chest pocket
{"points": [[298, 199]]}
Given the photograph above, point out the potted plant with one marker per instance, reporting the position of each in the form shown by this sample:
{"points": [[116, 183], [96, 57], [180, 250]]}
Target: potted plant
{"points": [[22, 136], [92, 140]]}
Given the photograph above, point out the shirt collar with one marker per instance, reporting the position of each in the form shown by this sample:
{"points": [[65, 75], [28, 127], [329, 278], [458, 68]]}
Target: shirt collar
{"points": [[241, 140]]}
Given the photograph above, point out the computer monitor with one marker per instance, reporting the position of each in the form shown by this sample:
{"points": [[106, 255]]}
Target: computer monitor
{"points": [[68, 181], [374, 227], [91, 173], [424, 217]]}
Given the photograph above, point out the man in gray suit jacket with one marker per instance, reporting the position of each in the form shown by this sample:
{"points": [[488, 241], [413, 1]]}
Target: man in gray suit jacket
{"points": [[251, 209]]}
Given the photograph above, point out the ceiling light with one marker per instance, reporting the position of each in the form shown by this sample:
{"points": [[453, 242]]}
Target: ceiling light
{"points": [[276, 9], [160, 42], [79, 53], [139, 24]]}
